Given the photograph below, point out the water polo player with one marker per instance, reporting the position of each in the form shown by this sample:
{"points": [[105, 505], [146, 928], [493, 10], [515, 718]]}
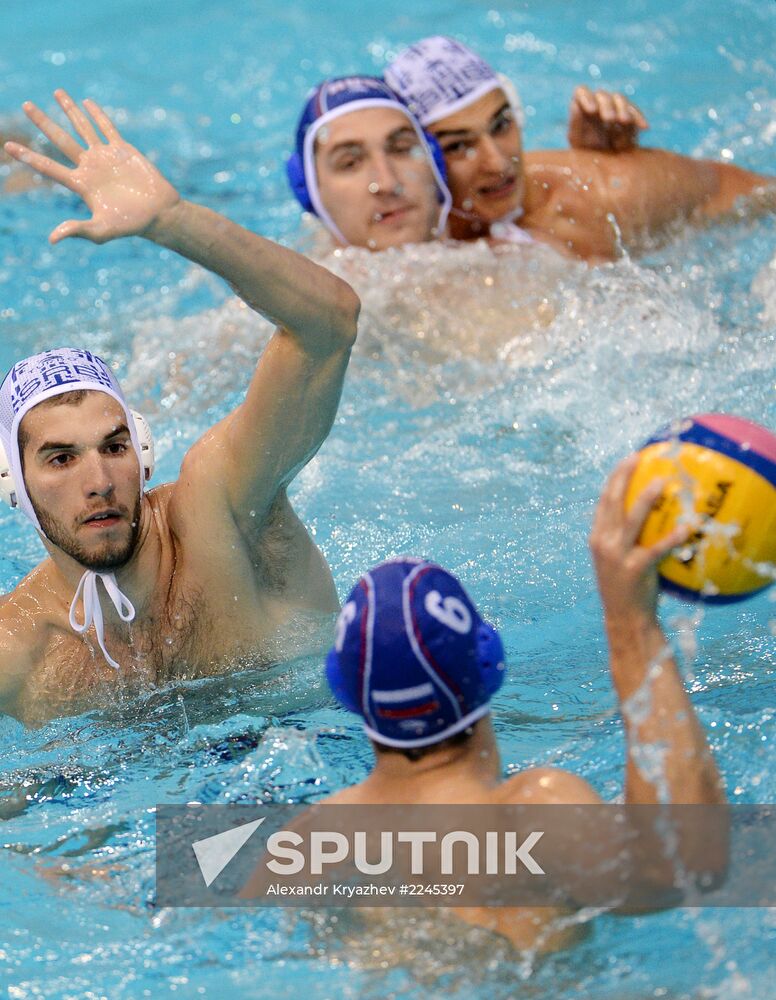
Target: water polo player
{"points": [[364, 166], [564, 197], [414, 659], [198, 573]]}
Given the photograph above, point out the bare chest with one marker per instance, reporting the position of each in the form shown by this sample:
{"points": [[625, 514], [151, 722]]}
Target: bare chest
{"points": [[185, 638]]}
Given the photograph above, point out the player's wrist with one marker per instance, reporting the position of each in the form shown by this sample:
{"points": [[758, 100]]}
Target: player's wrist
{"points": [[626, 624], [169, 221]]}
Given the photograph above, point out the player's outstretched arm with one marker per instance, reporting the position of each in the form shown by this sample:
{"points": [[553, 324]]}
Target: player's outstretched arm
{"points": [[668, 762], [123, 190], [597, 202], [295, 390], [656, 709]]}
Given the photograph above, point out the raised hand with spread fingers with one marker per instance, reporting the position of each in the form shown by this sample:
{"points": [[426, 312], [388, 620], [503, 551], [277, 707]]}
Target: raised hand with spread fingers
{"points": [[124, 191]]}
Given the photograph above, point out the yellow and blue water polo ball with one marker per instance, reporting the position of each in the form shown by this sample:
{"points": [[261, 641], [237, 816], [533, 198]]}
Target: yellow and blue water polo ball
{"points": [[721, 469]]}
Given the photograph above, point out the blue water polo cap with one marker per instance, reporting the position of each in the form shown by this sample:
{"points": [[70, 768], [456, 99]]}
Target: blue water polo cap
{"points": [[335, 93], [329, 100], [412, 655]]}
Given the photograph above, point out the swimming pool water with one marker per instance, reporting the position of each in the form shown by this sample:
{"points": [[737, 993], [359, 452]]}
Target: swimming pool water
{"points": [[486, 402]]}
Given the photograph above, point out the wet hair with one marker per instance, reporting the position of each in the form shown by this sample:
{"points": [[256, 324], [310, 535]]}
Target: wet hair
{"points": [[417, 753], [71, 398]]}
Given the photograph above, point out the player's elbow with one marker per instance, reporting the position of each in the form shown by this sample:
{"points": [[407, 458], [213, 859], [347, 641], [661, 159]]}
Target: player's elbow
{"points": [[740, 190], [678, 864], [337, 324], [343, 321]]}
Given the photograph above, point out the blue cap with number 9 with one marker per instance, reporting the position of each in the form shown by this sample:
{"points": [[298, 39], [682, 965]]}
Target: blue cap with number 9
{"points": [[412, 655]]}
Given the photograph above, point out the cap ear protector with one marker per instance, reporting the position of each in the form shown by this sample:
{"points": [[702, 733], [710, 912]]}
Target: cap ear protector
{"points": [[7, 485], [339, 687], [144, 439], [298, 182], [439, 159], [513, 99], [490, 658], [346, 694]]}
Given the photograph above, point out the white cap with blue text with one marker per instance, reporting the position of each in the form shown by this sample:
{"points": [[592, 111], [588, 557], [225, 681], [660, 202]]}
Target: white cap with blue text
{"points": [[439, 76], [28, 383]]}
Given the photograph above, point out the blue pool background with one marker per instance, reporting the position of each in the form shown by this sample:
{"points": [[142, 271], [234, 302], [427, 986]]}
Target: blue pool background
{"points": [[488, 460]]}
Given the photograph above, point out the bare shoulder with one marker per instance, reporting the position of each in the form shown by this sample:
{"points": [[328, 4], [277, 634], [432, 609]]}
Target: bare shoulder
{"points": [[21, 610], [197, 495], [22, 636], [559, 172], [551, 172], [16, 637], [185, 512], [548, 786], [575, 194], [196, 508], [570, 195], [161, 499]]}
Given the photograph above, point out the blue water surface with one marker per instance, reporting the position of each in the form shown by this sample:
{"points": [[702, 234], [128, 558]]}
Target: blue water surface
{"points": [[470, 431]]}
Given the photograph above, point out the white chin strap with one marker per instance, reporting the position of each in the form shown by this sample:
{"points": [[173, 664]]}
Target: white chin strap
{"points": [[87, 590]]}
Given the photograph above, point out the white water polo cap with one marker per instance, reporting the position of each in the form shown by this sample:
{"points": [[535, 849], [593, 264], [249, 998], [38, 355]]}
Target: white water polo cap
{"points": [[30, 382], [340, 96], [439, 76]]}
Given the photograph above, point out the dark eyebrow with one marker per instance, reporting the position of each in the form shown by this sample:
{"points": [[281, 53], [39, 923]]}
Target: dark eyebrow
{"points": [[358, 144], [345, 144], [121, 429], [63, 446], [504, 107], [53, 446], [446, 133], [400, 131]]}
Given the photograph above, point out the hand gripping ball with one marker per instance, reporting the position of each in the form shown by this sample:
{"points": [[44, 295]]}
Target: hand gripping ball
{"points": [[720, 475]]}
